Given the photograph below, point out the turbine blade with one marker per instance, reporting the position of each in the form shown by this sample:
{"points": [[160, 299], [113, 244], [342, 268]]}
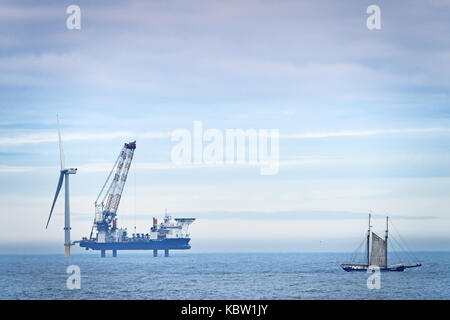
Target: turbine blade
{"points": [[61, 151], [58, 188]]}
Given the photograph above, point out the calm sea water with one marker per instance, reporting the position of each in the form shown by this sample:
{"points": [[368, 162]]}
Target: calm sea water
{"points": [[186, 275]]}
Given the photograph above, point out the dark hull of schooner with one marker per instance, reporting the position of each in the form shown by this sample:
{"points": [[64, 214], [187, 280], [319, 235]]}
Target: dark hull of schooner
{"points": [[364, 267]]}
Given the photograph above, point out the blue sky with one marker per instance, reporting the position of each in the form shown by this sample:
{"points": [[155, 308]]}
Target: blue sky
{"points": [[363, 117]]}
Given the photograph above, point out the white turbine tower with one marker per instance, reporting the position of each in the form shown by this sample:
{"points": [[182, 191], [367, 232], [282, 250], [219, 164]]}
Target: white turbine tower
{"points": [[64, 175]]}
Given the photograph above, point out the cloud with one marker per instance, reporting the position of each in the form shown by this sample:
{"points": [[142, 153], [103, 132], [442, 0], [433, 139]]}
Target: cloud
{"points": [[45, 137], [40, 12], [319, 135], [211, 48], [299, 214], [18, 169], [289, 162]]}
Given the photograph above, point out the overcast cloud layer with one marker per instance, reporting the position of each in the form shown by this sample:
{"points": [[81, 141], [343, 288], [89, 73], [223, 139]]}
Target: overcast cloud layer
{"points": [[363, 116]]}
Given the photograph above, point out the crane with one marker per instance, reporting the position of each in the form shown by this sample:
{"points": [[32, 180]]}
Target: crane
{"points": [[108, 200], [172, 234]]}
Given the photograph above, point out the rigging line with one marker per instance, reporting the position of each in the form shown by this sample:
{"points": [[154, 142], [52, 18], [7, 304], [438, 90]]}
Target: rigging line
{"points": [[394, 240], [399, 236], [107, 179], [401, 248], [408, 251], [354, 254], [134, 174], [413, 259], [358, 250], [394, 250]]}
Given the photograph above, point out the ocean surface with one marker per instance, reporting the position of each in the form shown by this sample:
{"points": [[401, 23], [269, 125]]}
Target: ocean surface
{"points": [[186, 275]]}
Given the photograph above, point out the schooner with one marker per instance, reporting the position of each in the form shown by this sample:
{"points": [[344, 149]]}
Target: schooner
{"points": [[378, 255]]}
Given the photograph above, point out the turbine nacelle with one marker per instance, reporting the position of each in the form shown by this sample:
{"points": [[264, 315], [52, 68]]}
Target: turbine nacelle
{"points": [[69, 171]]}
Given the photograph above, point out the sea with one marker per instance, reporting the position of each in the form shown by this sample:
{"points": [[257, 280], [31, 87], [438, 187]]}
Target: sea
{"points": [[186, 275]]}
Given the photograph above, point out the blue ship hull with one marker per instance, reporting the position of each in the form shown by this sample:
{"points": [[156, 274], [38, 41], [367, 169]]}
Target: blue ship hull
{"points": [[155, 245]]}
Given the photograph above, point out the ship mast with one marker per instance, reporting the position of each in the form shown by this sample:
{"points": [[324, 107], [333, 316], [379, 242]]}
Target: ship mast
{"points": [[368, 243], [386, 239]]}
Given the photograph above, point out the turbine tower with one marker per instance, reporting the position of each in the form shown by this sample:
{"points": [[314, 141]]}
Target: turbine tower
{"points": [[63, 175]]}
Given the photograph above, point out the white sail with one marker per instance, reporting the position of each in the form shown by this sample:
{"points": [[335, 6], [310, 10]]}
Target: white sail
{"points": [[378, 255]]}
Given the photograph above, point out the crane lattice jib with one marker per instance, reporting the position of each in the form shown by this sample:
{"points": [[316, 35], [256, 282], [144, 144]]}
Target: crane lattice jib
{"points": [[121, 182], [112, 188], [115, 190]]}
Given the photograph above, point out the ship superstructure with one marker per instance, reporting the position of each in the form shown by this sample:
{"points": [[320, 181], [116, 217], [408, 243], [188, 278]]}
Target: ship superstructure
{"points": [[171, 234]]}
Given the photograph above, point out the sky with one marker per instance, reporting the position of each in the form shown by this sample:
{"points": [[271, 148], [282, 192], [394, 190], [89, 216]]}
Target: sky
{"points": [[363, 117]]}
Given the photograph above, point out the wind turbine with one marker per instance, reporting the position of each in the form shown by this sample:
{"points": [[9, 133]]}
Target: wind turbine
{"points": [[64, 175]]}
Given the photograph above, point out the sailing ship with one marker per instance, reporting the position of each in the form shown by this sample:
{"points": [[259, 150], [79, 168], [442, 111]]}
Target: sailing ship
{"points": [[378, 256]]}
